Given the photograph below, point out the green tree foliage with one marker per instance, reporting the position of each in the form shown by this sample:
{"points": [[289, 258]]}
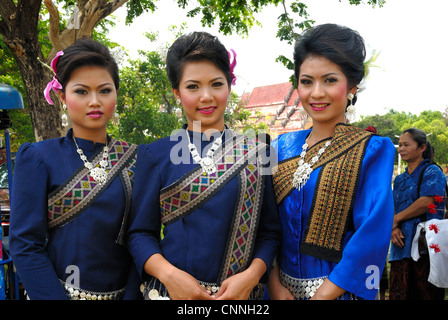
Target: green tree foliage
{"points": [[35, 30], [392, 124], [146, 105], [21, 130]]}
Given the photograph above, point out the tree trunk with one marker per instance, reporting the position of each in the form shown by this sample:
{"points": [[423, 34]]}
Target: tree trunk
{"points": [[45, 118], [19, 28]]}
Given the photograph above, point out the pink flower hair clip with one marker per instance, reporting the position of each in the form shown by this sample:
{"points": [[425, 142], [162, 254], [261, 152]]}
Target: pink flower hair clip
{"points": [[232, 65], [53, 84]]}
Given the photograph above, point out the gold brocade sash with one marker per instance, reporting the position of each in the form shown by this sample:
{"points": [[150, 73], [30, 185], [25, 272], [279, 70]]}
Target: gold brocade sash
{"points": [[335, 190]]}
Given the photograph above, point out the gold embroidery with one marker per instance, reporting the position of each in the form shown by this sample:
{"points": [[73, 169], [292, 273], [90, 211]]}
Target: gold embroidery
{"points": [[334, 193]]}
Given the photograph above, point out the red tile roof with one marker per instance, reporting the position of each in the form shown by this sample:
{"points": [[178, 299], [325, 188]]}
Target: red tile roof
{"points": [[271, 95], [267, 104]]}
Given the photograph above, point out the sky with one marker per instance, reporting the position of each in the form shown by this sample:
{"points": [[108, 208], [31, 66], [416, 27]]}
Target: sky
{"points": [[410, 36]]}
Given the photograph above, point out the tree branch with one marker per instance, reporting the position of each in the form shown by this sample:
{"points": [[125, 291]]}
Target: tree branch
{"points": [[54, 25], [81, 3], [110, 7], [294, 34]]}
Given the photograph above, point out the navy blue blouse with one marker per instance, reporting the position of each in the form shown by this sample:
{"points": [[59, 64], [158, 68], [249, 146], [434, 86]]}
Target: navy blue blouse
{"points": [[88, 242], [195, 243]]}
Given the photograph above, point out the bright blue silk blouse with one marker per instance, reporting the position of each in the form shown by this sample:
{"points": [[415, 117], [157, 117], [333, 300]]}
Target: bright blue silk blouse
{"points": [[365, 247]]}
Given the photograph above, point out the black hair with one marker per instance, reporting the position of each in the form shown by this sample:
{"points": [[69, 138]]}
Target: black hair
{"points": [[420, 137], [196, 46], [340, 45], [85, 52]]}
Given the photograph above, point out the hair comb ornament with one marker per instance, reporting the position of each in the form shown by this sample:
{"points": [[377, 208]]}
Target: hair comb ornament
{"points": [[232, 65], [53, 84], [368, 65]]}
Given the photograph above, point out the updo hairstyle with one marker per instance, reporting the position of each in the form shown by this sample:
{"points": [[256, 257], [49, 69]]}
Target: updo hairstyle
{"points": [[85, 52], [196, 46], [340, 45]]}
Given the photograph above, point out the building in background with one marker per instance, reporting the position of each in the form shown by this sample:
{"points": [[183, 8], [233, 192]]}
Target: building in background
{"points": [[278, 106]]}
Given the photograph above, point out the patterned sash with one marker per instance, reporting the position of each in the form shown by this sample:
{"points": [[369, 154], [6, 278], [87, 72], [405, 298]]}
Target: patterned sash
{"points": [[79, 191], [238, 156], [335, 190]]}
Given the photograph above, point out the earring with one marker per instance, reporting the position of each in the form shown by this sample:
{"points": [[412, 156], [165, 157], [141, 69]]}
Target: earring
{"points": [[178, 102], [115, 119], [350, 112], [64, 116]]}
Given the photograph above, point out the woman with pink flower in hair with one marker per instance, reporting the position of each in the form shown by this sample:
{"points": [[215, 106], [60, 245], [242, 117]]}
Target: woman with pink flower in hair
{"points": [[207, 186], [419, 195], [71, 195]]}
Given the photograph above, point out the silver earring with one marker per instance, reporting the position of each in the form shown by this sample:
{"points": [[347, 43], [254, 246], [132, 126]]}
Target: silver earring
{"points": [[64, 116], [350, 112], [178, 102]]}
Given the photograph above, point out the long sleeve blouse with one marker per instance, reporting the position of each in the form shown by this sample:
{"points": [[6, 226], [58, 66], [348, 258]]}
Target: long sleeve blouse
{"points": [[195, 243], [86, 246], [365, 244]]}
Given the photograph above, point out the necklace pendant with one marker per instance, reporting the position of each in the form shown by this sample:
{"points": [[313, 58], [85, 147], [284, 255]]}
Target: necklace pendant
{"points": [[304, 169], [99, 175], [208, 165]]}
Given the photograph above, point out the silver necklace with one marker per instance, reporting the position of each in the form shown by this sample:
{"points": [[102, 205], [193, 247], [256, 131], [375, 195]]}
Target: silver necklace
{"points": [[302, 174], [207, 163], [99, 174]]}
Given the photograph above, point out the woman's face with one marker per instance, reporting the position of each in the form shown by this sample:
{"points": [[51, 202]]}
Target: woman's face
{"points": [[90, 96], [408, 148], [323, 90], [203, 91]]}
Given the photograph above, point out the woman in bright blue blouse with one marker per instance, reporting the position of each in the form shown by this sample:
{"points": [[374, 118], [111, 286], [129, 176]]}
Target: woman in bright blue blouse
{"points": [[333, 183], [409, 278], [71, 195]]}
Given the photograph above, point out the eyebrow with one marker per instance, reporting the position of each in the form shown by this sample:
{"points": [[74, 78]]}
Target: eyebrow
{"points": [[323, 76], [85, 86], [197, 81]]}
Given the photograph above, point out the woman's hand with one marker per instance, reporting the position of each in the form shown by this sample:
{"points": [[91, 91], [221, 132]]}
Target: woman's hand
{"points": [[240, 285], [275, 289], [182, 286], [328, 291], [237, 287], [397, 237]]}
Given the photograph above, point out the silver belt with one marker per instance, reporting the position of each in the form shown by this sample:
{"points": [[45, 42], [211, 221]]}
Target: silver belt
{"points": [[301, 288], [155, 290], [75, 293], [304, 289]]}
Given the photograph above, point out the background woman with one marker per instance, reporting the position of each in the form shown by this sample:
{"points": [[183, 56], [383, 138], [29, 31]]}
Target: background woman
{"points": [[333, 183], [71, 195], [409, 278], [205, 185]]}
